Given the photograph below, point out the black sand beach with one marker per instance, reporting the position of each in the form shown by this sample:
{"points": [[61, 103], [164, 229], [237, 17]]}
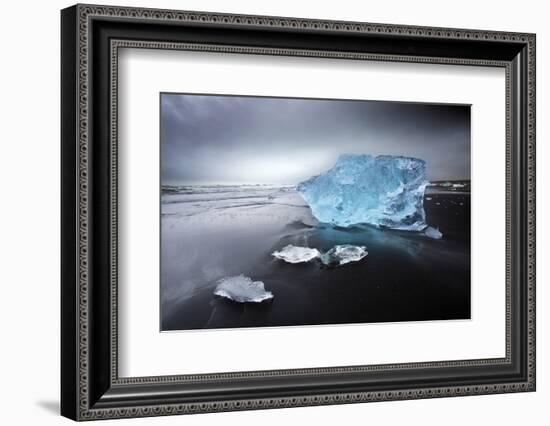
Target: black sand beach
{"points": [[209, 233]]}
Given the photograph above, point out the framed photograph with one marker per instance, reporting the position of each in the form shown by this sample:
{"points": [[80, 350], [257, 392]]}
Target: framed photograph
{"points": [[263, 212]]}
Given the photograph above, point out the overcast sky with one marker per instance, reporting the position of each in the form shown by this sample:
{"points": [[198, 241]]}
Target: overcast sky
{"points": [[233, 139]]}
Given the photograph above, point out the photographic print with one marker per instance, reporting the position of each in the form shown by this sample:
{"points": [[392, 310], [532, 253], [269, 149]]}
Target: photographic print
{"points": [[295, 211]]}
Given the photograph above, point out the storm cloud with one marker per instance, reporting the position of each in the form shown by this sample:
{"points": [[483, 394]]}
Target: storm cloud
{"points": [[209, 139]]}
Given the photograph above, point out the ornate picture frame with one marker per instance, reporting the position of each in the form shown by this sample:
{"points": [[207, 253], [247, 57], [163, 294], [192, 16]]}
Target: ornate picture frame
{"points": [[91, 37]]}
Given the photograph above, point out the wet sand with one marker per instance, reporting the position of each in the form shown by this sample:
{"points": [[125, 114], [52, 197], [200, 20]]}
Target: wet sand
{"points": [[216, 232]]}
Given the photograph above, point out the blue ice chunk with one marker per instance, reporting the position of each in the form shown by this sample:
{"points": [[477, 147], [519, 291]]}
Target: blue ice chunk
{"points": [[296, 254], [434, 233], [345, 253], [385, 191]]}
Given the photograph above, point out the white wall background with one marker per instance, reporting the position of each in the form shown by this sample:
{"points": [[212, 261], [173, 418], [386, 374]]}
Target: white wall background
{"points": [[29, 213]]}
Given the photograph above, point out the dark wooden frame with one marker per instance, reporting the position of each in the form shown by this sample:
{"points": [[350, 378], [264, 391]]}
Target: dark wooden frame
{"points": [[91, 37]]}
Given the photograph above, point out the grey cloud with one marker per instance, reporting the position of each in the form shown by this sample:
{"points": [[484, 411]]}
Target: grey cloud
{"points": [[233, 139]]}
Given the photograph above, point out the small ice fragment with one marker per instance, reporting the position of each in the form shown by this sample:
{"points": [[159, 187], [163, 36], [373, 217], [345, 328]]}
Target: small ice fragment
{"points": [[242, 289], [342, 254], [295, 254], [433, 233], [429, 198]]}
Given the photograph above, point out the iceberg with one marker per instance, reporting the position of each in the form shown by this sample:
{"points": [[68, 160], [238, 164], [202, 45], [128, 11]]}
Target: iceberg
{"points": [[295, 254], [342, 254], [242, 289], [386, 191]]}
